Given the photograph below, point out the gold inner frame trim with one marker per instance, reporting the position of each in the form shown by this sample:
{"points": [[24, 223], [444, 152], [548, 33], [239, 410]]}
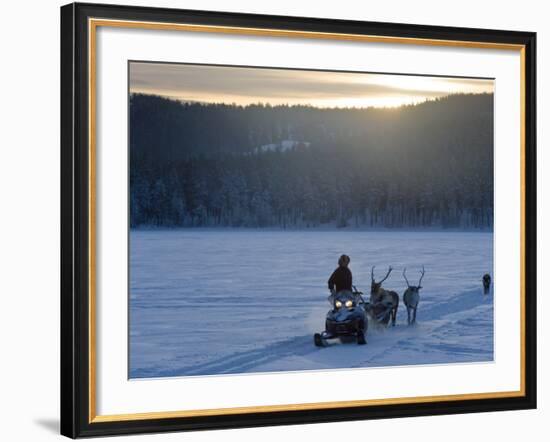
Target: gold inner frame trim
{"points": [[294, 407], [298, 34], [93, 24]]}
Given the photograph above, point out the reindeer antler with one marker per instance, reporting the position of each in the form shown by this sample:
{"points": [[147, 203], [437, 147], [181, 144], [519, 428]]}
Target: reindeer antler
{"points": [[387, 274], [422, 275], [405, 276]]}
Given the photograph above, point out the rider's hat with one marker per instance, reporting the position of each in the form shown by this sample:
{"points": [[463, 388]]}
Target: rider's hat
{"points": [[344, 260]]}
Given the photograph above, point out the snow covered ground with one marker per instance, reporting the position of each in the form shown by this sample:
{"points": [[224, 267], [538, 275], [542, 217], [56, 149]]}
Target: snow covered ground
{"points": [[206, 302]]}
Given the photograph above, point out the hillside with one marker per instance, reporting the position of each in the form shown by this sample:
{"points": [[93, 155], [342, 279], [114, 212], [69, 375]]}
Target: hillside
{"points": [[425, 165]]}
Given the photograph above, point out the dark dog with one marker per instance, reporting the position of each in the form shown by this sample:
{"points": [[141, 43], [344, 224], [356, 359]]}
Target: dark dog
{"points": [[486, 283]]}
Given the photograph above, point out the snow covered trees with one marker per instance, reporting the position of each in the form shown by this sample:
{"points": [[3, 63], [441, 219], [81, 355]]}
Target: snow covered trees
{"points": [[429, 165]]}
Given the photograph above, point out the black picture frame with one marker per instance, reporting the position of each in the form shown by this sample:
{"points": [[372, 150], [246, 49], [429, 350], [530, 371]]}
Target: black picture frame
{"points": [[76, 401]]}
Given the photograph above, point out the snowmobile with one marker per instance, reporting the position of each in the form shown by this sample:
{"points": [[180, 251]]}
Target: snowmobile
{"points": [[347, 319]]}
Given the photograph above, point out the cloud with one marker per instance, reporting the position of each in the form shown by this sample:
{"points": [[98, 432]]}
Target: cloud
{"points": [[243, 85]]}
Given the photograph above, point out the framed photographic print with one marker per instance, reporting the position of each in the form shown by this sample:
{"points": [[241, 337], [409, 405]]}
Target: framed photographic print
{"points": [[279, 220]]}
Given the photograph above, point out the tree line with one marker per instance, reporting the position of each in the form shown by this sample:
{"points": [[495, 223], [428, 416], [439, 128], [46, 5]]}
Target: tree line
{"points": [[428, 165]]}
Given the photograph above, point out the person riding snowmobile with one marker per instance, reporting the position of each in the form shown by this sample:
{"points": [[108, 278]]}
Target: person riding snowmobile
{"points": [[341, 278], [347, 317]]}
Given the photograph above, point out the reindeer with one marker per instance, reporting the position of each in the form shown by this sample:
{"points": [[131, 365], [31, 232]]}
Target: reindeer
{"points": [[380, 296], [411, 297]]}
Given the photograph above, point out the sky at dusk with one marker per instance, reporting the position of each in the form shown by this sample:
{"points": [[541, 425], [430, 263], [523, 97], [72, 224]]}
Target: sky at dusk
{"points": [[244, 86]]}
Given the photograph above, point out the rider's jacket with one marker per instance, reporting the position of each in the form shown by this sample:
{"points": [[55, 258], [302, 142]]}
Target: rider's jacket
{"points": [[340, 279]]}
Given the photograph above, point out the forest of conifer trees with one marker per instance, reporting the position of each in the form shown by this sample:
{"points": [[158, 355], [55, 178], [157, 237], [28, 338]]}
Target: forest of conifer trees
{"points": [[217, 165]]}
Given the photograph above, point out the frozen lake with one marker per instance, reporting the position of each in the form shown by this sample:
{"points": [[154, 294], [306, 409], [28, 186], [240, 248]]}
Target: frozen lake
{"points": [[208, 302]]}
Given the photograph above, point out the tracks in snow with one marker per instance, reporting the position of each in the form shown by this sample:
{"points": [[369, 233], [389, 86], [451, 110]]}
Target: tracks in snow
{"points": [[382, 343]]}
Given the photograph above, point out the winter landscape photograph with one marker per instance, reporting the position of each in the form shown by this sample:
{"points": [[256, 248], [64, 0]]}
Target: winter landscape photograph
{"points": [[287, 220]]}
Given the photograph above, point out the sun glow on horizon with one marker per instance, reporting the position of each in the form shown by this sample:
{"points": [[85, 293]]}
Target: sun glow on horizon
{"points": [[322, 89], [341, 103]]}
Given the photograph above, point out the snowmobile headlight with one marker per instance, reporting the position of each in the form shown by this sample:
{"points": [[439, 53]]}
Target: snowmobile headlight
{"points": [[338, 304], [349, 303]]}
